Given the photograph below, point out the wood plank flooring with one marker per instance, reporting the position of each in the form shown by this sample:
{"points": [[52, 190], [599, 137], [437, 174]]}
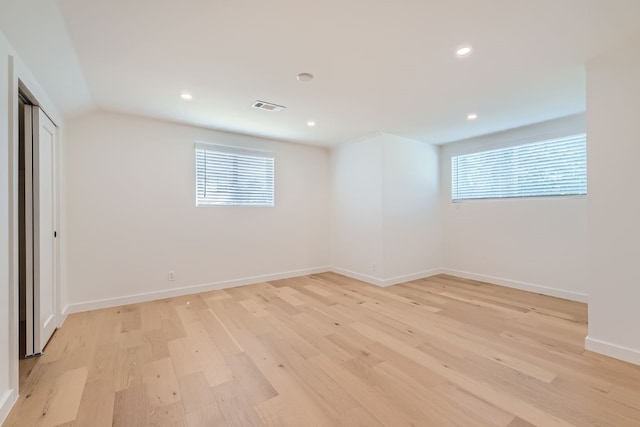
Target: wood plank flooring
{"points": [[326, 350]]}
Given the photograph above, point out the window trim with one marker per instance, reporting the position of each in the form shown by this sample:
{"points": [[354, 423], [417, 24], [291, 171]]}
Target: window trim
{"points": [[505, 146], [240, 151]]}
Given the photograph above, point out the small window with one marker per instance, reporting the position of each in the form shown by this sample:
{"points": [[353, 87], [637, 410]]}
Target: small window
{"points": [[233, 176], [556, 167]]}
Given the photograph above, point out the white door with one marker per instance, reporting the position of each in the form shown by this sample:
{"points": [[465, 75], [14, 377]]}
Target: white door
{"points": [[42, 303]]}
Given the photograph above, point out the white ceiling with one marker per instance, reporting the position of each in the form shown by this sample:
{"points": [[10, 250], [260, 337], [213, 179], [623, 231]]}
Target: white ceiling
{"points": [[379, 65]]}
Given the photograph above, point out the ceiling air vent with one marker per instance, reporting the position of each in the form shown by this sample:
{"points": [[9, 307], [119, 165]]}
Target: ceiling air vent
{"points": [[267, 106]]}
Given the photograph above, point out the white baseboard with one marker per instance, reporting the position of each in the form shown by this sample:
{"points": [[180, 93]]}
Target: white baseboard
{"points": [[386, 282], [7, 400], [63, 316], [169, 293], [545, 290], [613, 350], [409, 277], [358, 276]]}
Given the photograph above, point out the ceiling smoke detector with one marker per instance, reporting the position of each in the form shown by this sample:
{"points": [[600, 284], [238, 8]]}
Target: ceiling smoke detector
{"points": [[304, 77], [268, 106]]}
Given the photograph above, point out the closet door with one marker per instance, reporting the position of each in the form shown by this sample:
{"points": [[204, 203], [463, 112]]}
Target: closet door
{"points": [[44, 229]]}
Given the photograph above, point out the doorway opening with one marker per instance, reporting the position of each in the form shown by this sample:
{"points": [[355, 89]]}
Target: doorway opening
{"points": [[37, 219]]}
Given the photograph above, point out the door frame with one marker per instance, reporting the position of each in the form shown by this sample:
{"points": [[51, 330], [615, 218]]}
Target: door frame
{"points": [[16, 75], [24, 92], [22, 81]]}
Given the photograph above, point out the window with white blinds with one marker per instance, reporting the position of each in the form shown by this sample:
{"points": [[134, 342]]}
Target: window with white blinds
{"points": [[233, 176], [556, 167]]}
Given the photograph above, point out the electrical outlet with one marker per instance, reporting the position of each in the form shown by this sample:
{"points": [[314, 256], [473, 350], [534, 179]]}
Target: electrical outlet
{"points": [[374, 267], [171, 276]]}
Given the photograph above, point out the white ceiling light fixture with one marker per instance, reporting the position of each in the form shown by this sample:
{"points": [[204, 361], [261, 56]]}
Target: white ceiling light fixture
{"points": [[464, 51], [472, 116], [186, 96], [304, 77], [311, 123]]}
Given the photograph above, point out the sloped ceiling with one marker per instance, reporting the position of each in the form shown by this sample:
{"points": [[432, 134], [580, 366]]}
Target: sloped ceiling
{"points": [[379, 65]]}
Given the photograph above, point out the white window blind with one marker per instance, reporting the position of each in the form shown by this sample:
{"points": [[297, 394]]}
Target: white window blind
{"points": [[556, 167], [233, 176]]}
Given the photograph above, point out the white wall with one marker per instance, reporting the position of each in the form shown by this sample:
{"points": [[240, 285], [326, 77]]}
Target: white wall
{"points": [[385, 216], [132, 216], [7, 389], [536, 244], [411, 232], [356, 217], [613, 104], [13, 70]]}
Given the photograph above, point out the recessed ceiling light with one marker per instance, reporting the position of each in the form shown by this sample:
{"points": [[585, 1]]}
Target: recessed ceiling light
{"points": [[186, 96], [472, 116], [304, 77], [311, 124], [463, 51]]}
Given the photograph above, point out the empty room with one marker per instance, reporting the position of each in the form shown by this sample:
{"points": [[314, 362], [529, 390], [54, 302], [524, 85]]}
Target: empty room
{"points": [[337, 213]]}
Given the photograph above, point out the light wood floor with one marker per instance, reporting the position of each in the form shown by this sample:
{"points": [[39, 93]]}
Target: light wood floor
{"points": [[325, 350]]}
